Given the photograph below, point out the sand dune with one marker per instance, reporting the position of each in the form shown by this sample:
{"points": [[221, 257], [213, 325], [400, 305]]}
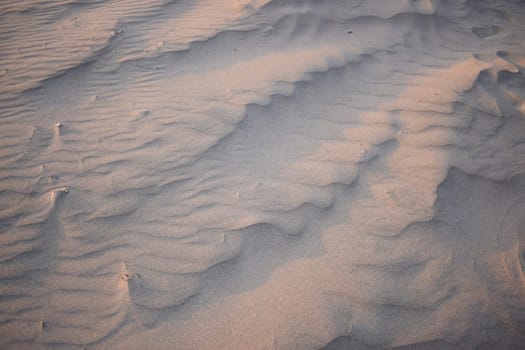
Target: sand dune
{"points": [[262, 174]]}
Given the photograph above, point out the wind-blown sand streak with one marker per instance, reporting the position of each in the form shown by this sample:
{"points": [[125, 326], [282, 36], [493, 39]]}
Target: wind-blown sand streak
{"points": [[262, 174]]}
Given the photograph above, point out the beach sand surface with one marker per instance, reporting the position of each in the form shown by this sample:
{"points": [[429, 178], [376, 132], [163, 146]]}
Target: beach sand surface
{"points": [[262, 174]]}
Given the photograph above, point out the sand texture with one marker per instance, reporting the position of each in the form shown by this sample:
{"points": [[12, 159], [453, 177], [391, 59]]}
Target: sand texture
{"points": [[262, 174]]}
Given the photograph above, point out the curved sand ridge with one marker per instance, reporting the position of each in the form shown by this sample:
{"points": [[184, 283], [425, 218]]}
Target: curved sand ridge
{"points": [[262, 174]]}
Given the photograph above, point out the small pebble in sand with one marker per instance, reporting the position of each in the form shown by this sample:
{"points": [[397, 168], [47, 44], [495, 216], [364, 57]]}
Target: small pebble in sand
{"points": [[124, 277], [127, 276]]}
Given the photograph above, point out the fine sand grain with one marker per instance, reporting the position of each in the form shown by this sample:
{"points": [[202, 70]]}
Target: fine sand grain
{"points": [[262, 174]]}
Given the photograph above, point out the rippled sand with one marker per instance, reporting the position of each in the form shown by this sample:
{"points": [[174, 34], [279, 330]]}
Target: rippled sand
{"points": [[264, 174]]}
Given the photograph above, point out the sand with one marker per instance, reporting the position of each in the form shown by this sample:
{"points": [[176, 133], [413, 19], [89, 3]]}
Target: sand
{"points": [[262, 174]]}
